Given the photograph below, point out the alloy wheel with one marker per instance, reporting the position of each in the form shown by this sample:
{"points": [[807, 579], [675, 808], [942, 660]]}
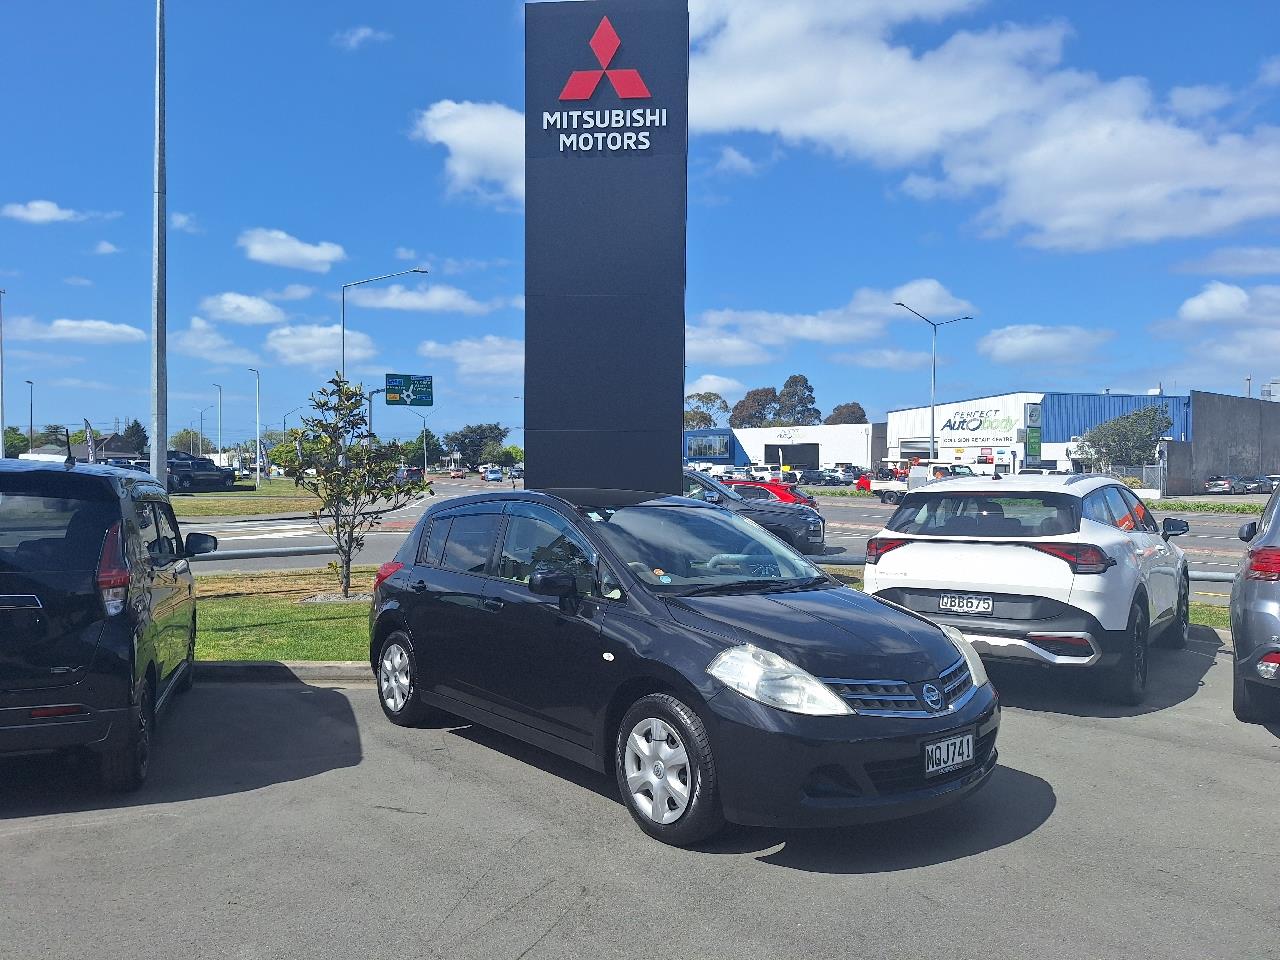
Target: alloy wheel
{"points": [[658, 773], [394, 678]]}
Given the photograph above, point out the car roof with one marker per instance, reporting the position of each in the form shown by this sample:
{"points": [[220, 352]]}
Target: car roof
{"points": [[79, 469], [1076, 484], [580, 497]]}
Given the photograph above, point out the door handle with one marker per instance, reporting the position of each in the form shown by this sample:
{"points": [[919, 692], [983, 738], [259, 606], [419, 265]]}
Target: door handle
{"points": [[493, 603], [419, 586]]}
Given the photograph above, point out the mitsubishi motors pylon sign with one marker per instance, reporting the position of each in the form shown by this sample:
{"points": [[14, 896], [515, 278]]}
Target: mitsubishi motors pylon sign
{"points": [[606, 150]]}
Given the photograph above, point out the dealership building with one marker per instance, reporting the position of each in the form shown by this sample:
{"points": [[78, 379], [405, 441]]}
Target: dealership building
{"points": [[822, 446]]}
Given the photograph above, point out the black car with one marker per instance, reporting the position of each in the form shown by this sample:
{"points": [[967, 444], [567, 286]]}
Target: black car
{"points": [[194, 473], [717, 673], [796, 523], [817, 478], [97, 612]]}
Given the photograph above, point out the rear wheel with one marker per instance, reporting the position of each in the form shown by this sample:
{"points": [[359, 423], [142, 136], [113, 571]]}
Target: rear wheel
{"points": [[124, 766], [398, 681], [1254, 703], [1177, 633], [1126, 681], [666, 772]]}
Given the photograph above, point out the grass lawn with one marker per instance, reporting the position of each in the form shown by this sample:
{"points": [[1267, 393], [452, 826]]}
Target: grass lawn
{"points": [[258, 617], [275, 496]]}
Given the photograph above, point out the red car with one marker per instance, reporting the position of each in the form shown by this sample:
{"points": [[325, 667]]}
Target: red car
{"points": [[770, 490]]}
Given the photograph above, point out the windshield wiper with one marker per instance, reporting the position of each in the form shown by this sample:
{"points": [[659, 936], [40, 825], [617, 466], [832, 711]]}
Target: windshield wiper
{"points": [[804, 584], [730, 586]]}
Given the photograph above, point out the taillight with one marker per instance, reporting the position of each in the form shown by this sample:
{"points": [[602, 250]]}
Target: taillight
{"points": [[877, 547], [386, 571], [1264, 564], [113, 574], [1081, 557]]}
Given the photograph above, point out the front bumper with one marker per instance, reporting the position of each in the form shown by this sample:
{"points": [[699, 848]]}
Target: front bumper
{"points": [[782, 769]]}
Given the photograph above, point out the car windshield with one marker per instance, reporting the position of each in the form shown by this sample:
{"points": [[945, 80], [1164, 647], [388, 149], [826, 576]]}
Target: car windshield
{"points": [[987, 514], [686, 550]]}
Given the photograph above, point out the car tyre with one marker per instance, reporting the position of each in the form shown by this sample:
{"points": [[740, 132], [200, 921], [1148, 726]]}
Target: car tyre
{"points": [[124, 766], [1126, 681], [1177, 633], [661, 742], [1254, 703], [399, 683]]}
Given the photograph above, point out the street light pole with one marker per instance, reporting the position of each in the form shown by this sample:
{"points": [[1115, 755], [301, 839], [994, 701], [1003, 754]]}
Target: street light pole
{"points": [[285, 420], [343, 312], [31, 415], [200, 435], [1, 374], [159, 307], [257, 428], [423, 418], [370, 398], [933, 377], [219, 386]]}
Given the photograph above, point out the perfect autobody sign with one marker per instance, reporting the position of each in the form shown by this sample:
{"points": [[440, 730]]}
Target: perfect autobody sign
{"points": [[606, 142]]}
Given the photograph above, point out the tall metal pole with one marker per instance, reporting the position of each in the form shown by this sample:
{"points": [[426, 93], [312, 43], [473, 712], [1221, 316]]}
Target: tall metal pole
{"points": [[219, 386], [423, 418], [1, 374], [257, 428], [342, 315], [933, 376], [31, 415], [159, 333]]}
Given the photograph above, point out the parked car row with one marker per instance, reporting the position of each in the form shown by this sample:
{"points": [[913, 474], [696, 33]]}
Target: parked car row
{"points": [[1232, 483]]}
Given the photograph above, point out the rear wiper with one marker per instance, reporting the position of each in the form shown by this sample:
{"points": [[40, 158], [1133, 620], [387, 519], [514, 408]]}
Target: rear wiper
{"points": [[729, 586]]}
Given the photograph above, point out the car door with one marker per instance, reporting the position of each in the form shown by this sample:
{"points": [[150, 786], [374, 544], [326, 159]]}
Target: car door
{"points": [[446, 616], [171, 590], [1165, 563], [543, 655], [184, 595], [1141, 550]]}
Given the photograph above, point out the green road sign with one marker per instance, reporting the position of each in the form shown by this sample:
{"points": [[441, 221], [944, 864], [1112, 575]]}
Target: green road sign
{"points": [[408, 390], [1033, 443]]}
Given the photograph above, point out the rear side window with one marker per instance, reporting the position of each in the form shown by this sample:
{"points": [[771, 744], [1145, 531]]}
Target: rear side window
{"points": [[1139, 510], [433, 538], [1095, 509], [992, 514], [1119, 509], [52, 522], [470, 542]]}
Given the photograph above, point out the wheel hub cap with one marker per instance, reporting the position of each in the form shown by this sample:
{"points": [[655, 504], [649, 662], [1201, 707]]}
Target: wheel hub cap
{"points": [[658, 771], [394, 681]]}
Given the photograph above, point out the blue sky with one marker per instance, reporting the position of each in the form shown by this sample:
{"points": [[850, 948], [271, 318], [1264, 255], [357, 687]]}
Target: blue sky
{"points": [[1097, 184]]}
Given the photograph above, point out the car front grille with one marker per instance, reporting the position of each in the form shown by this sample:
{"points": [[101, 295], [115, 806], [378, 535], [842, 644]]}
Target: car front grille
{"points": [[900, 698], [907, 773]]}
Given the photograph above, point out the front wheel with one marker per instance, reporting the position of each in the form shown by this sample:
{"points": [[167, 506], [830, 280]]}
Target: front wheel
{"points": [[666, 772], [1126, 681]]}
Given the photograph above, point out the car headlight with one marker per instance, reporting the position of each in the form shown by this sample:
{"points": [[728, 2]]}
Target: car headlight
{"points": [[976, 668], [771, 680]]}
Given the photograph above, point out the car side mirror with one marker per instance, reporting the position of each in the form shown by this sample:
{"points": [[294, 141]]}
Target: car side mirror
{"points": [[1248, 531], [711, 496], [1174, 527], [549, 582], [198, 543]]}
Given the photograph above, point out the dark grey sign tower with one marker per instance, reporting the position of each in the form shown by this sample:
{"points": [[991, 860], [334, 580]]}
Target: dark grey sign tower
{"points": [[606, 149]]}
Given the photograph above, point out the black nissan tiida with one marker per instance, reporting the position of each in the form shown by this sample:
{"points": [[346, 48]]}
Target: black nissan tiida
{"points": [[713, 669]]}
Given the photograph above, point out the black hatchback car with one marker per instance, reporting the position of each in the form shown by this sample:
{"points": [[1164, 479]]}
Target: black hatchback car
{"points": [[713, 669], [97, 613]]}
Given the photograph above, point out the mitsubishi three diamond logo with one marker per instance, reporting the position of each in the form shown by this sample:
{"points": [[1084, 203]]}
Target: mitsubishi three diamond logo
{"points": [[627, 83]]}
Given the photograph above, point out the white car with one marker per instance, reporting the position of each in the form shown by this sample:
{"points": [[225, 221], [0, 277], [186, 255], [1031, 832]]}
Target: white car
{"points": [[1068, 572]]}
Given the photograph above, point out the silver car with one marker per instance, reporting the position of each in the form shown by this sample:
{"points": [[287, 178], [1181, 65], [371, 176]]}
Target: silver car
{"points": [[1255, 621]]}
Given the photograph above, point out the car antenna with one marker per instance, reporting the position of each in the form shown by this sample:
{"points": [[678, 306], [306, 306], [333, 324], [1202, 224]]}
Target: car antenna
{"points": [[71, 460]]}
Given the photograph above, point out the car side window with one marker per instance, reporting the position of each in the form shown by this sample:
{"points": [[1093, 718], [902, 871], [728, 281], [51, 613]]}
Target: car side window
{"points": [[1139, 509], [431, 546], [148, 531], [694, 489], [470, 542], [1095, 508], [170, 542], [536, 538], [1124, 520], [755, 493]]}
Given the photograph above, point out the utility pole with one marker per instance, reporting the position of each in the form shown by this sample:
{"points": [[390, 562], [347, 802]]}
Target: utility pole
{"points": [[200, 435], [219, 386], [933, 377], [159, 333], [1, 374], [31, 415], [257, 428], [371, 393], [423, 418], [1248, 387]]}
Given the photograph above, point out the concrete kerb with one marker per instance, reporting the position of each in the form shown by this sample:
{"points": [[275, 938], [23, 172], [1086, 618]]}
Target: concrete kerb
{"points": [[276, 671]]}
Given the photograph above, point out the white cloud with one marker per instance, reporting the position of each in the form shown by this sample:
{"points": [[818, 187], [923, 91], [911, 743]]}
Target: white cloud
{"points": [[482, 358], [105, 248], [313, 345], [292, 291], [1238, 262], [353, 38], [435, 298], [241, 308], [727, 387], [1198, 100], [862, 318], [886, 358], [40, 211], [407, 253], [184, 222], [708, 345], [78, 281], [451, 266], [1060, 156], [485, 142], [1269, 72], [79, 331], [40, 358], [75, 383], [734, 161], [1036, 343], [282, 250], [202, 339], [1220, 303]]}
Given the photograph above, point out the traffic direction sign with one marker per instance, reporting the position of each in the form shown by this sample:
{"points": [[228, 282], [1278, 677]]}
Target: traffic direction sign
{"points": [[408, 390]]}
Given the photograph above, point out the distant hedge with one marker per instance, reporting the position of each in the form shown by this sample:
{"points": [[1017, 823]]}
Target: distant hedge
{"points": [[1206, 506]]}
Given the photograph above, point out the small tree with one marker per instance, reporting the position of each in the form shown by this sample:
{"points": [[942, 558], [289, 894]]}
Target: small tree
{"points": [[185, 440], [796, 403], [135, 435], [355, 477], [759, 408], [851, 412], [1128, 440], [472, 440], [53, 433], [15, 441], [704, 410], [413, 453]]}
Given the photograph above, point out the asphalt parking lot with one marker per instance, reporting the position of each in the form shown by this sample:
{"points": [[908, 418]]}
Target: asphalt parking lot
{"points": [[284, 820]]}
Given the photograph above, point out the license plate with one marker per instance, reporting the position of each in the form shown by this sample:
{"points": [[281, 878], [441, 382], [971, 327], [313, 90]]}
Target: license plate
{"points": [[966, 603], [943, 756]]}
